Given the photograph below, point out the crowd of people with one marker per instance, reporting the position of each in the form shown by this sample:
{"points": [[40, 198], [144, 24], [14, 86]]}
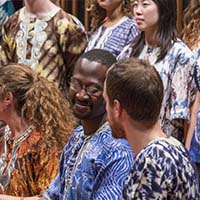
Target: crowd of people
{"points": [[109, 113]]}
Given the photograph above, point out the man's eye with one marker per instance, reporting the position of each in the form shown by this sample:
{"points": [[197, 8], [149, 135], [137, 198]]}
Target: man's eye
{"points": [[92, 90]]}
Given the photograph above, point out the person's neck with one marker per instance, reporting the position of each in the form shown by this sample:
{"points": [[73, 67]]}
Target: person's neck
{"points": [[92, 125], [140, 135], [17, 126], [38, 8], [112, 17], [150, 38]]}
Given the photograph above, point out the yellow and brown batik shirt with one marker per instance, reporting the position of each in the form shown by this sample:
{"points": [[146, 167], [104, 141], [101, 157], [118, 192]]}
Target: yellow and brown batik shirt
{"points": [[49, 45]]}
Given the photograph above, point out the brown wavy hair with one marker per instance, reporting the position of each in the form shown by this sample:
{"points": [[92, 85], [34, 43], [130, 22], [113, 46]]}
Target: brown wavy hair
{"points": [[191, 22], [39, 102], [98, 14]]}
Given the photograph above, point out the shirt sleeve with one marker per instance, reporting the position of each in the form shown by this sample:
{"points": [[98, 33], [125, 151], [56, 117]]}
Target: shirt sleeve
{"points": [[72, 42], [56, 188], [183, 87]]}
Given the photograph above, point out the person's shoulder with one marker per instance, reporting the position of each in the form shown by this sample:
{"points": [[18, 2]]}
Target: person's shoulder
{"points": [[180, 54], [69, 17], [182, 49], [112, 144], [12, 19], [78, 132], [130, 21], [165, 150]]}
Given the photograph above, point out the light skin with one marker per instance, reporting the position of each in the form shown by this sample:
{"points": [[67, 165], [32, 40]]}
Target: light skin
{"points": [[17, 125], [137, 133], [10, 116], [87, 73], [191, 128], [113, 11], [147, 17], [38, 8]]}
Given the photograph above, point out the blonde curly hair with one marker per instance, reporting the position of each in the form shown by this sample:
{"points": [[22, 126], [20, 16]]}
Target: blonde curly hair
{"points": [[39, 102], [191, 22], [98, 14]]}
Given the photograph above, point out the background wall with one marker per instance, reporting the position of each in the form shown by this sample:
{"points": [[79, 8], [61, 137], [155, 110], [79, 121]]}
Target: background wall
{"points": [[79, 7]]}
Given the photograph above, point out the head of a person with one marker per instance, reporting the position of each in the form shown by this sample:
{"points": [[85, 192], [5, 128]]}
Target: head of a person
{"points": [[86, 86], [158, 17], [36, 101], [159, 14], [133, 87], [98, 9]]}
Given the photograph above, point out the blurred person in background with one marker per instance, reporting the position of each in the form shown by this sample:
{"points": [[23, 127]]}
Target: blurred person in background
{"points": [[112, 25]]}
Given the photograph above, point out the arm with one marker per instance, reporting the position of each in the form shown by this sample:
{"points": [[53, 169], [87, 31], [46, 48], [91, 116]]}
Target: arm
{"points": [[193, 120]]}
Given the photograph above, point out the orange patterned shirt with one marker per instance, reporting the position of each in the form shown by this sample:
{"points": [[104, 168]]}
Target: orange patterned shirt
{"points": [[36, 165]]}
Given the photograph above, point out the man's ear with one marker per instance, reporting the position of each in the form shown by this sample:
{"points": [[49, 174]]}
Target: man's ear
{"points": [[117, 108]]}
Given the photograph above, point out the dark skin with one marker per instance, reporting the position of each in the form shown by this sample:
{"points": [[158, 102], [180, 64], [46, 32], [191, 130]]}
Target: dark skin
{"points": [[89, 108]]}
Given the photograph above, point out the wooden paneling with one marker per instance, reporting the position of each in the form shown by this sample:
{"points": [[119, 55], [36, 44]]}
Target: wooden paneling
{"points": [[179, 15]]}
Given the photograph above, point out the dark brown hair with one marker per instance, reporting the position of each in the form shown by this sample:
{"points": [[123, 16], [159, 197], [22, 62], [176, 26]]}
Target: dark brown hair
{"points": [[138, 87]]}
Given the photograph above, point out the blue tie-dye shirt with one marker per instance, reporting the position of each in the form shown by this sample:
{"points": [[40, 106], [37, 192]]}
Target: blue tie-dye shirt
{"points": [[162, 170], [176, 70], [92, 167]]}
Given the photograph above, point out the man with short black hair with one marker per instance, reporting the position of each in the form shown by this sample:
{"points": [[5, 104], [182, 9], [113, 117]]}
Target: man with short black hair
{"points": [[93, 164]]}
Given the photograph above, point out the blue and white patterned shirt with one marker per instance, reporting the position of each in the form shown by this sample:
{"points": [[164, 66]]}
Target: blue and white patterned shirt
{"points": [[114, 38], [195, 143], [176, 71], [163, 170], [92, 167]]}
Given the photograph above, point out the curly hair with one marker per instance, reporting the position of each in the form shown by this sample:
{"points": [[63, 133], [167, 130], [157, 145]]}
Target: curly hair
{"points": [[191, 22], [98, 14], [39, 102]]}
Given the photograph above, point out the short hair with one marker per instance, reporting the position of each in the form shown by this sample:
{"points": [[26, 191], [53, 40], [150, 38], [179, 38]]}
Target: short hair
{"points": [[99, 55], [138, 87]]}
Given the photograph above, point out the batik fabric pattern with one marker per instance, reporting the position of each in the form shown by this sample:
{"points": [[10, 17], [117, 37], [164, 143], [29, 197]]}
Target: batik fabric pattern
{"points": [[92, 167], [35, 167], [163, 170], [114, 38], [50, 45], [176, 71], [195, 143]]}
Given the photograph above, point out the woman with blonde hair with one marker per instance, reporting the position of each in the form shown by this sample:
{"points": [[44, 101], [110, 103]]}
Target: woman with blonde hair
{"points": [[112, 25], [39, 123]]}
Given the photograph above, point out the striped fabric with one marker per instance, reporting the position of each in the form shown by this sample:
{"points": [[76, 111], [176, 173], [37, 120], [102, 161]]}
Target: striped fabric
{"points": [[92, 167]]}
